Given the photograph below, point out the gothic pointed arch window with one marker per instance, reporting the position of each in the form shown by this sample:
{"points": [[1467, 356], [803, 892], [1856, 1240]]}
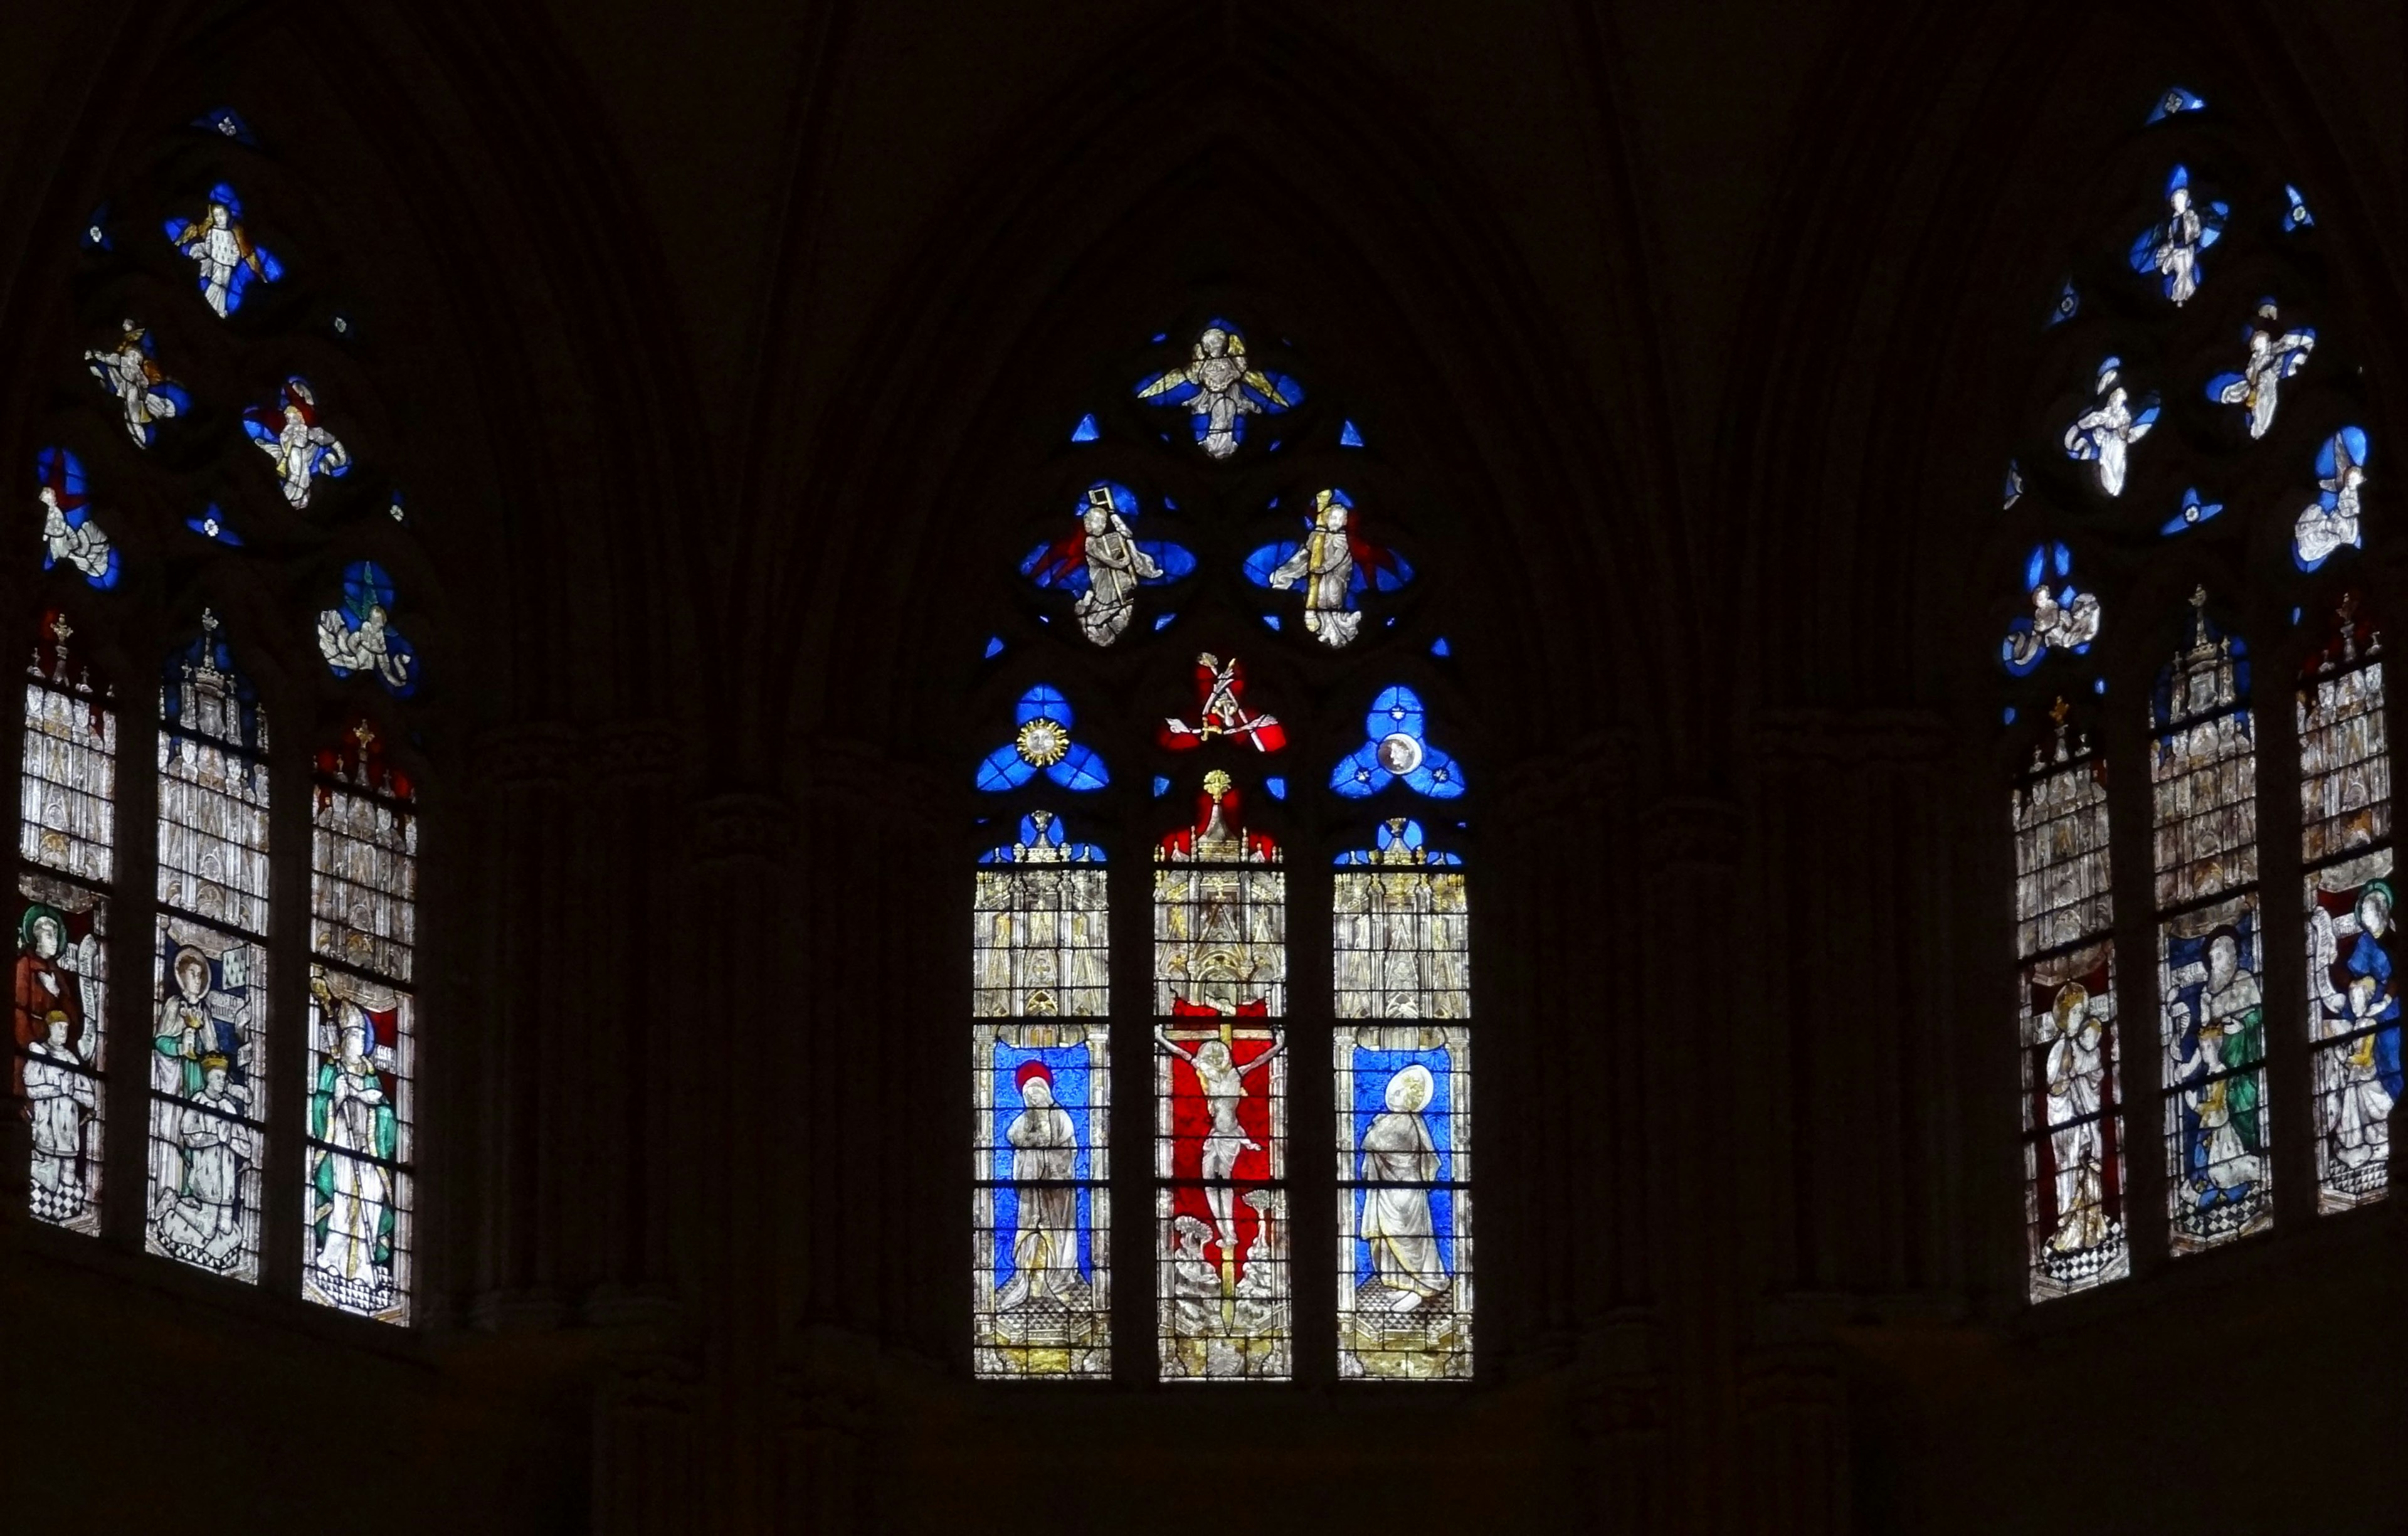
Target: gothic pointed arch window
{"points": [[211, 504], [1216, 688], [2186, 529]]}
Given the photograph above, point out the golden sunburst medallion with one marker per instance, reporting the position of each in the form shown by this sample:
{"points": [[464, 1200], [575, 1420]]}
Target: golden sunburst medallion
{"points": [[1042, 743]]}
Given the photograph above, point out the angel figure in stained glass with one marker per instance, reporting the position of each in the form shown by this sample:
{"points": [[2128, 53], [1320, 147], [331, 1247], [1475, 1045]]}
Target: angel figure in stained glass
{"points": [[2223, 1160], [1220, 389], [2077, 1074], [352, 1120], [1221, 1080], [2104, 436], [69, 532], [1333, 564], [1221, 712], [2062, 618], [59, 1099], [1104, 562], [2273, 357], [287, 431], [130, 372], [1399, 1161], [2329, 522], [1044, 1158], [223, 250], [2170, 248], [2357, 1087], [358, 636]]}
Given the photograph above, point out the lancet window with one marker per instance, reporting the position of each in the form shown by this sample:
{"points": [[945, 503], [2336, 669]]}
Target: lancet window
{"points": [[1221, 565], [2138, 517], [186, 485]]}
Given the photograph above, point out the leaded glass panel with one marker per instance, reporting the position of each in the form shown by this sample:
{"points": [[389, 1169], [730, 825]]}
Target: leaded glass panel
{"points": [[2210, 954], [360, 1194], [1041, 1102], [2345, 845], [209, 1064], [1223, 1292], [2073, 1161], [1402, 1081]]}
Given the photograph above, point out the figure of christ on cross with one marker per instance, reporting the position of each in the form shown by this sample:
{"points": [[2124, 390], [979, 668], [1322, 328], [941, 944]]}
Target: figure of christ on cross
{"points": [[1221, 1047]]}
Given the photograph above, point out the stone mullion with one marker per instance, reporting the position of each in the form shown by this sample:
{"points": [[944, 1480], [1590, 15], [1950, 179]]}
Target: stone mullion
{"points": [[1313, 1201], [133, 915], [286, 1030], [2290, 1090], [2131, 844], [1136, 1353]]}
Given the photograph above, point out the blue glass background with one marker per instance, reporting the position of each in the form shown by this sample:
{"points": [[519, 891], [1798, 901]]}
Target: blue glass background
{"points": [[1372, 1069], [1072, 1092]]}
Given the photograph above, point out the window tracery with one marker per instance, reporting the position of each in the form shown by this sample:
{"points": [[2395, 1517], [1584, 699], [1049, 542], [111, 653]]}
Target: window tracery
{"points": [[1219, 1048], [2164, 479], [135, 460]]}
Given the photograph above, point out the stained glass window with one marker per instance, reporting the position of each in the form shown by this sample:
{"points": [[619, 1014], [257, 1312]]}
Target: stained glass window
{"points": [[1220, 969], [2065, 916], [66, 844], [2261, 453], [139, 462], [71, 534], [2346, 848], [361, 1063], [225, 258], [358, 636], [1202, 696], [209, 1071], [2204, 778], [1402, 1059], [1331, 566], [1040, 1089]]}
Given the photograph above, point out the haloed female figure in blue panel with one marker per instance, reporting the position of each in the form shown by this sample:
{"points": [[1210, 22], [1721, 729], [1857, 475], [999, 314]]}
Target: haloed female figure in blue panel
{"points": [[1403, 1221], [1042, 1220]]}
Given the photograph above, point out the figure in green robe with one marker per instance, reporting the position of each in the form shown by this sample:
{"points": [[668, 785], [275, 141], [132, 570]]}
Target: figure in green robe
{"points": [[351, 1121]]}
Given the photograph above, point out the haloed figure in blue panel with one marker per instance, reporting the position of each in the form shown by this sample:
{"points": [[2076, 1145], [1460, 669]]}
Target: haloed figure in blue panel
{"points": [[1405, 1307], [1043, 1224]]}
